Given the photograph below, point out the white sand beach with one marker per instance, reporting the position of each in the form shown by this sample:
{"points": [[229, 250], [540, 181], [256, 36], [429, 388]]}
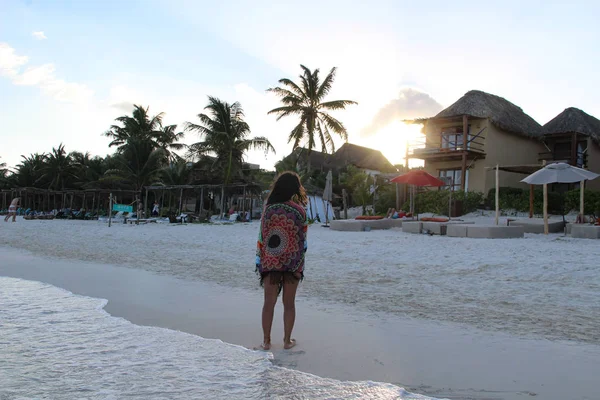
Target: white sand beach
{"points": [[444, 317]]}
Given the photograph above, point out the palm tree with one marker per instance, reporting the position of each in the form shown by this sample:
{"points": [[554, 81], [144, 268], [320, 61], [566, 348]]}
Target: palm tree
{"points": [[167, 139], [139, 163], [58, 168], [178, 172], [29, 171], [137, 126], [3, 174], [306, 100], [225, 136]]}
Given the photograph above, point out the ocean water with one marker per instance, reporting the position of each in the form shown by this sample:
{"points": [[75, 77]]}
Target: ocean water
{"points": [[57, 345]]}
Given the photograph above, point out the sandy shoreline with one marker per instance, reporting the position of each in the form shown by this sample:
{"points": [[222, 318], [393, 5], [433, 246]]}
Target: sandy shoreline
{"points": [[337, 341]]}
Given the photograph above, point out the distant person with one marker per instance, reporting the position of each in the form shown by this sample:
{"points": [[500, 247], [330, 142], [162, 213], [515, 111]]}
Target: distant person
{"points": [[155, 209], [280, 253], [12, 210]]}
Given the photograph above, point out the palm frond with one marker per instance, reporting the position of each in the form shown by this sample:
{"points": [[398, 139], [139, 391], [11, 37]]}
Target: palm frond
{"points": [[336, 104], [333, 124]]}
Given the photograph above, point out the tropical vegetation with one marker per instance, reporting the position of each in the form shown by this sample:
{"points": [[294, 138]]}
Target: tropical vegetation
{"points": [[306, 101]]}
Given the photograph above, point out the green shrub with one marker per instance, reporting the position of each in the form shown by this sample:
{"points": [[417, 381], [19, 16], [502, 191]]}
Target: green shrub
{"points": [[436, 201], [558, 203]]}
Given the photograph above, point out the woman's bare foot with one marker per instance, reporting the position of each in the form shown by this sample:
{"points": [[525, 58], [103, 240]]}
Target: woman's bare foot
{"points": [[289, 344], [265, 346]]}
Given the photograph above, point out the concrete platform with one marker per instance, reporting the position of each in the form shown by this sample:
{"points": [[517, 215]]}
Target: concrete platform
{"points": [[435, 228], [347, 225], [356, 225], [495, 232], [568, 228], [536, 225], [584, 231], [440, 228], [375, 224], [412, 227], [457, 230]]}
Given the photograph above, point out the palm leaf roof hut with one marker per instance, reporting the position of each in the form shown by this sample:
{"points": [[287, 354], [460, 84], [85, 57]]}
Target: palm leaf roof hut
{"points": [[477, 104], [579, 133], [500, 112], [573, 128]]}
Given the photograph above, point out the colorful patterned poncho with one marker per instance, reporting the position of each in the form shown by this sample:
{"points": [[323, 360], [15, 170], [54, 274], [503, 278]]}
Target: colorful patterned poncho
{"points": [[282, 239]]}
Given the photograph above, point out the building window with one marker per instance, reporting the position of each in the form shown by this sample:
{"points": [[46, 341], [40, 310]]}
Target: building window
{"points": [[452, 178], [453, 138]]}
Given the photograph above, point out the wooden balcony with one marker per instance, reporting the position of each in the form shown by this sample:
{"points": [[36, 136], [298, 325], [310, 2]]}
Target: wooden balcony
{"points": [[445, 154], [577, 160]]}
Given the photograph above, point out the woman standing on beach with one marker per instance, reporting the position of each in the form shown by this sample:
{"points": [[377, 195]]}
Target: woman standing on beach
{"points": [[12, 210], [280, 252]]}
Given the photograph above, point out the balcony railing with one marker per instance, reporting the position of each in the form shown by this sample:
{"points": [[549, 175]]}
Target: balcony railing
{"points": [[565, 156], [422, 149]]}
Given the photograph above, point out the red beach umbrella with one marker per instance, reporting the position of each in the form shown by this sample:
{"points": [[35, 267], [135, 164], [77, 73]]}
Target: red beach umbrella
{"points": [[418, 177]]}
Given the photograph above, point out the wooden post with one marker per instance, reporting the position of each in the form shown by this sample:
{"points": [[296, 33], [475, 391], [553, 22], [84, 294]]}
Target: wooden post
{"points": [[71, 203], [574, 149], [180, 201], [244, 201], [545, 206], [110, 201], [222, 201], [497, 194], [138, 211], [531, 196], [450, 199], [250, 208], [345, 203], [398, 197], [545, 209], [581, 194], [201, 200], [93, 203], [463, 170], [146, 204]]}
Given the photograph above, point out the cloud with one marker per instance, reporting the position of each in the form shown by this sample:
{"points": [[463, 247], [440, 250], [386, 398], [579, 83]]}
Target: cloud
{"points": [[124, 106], [42, 76], [410, 103], [10, 62], [39, 35]]}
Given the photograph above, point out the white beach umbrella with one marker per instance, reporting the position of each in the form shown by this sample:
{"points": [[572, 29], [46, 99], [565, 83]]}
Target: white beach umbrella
{"points": [[559, 173], [328, 194]]}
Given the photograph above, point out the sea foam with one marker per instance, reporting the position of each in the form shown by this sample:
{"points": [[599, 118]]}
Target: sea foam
{"points": [[54, 344]]}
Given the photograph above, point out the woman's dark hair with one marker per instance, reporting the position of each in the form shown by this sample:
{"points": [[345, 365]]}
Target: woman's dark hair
{"points": [[286, 187]]}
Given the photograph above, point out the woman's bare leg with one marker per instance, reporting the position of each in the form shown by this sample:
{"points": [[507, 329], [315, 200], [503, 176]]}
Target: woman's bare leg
{"points": [[289, 312], [271, 292]]}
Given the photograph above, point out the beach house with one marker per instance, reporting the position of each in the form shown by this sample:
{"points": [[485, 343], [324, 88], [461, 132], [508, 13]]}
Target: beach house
{"points": [[574, 137], [371, 161], [480, 130]]}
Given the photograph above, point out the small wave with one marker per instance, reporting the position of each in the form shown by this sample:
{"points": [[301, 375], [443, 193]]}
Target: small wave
{"points": [[55, 344]]}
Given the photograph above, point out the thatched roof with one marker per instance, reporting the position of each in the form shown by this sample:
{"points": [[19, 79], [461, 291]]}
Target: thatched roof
{"points": [[574, 120], [361, 157], [501, 112], [317, 158]]}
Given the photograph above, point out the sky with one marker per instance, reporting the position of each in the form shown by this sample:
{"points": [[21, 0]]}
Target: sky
{"points": [[69, 68]]}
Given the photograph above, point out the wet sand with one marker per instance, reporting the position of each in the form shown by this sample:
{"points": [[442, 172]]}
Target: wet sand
{"points": [[335, 340]]}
